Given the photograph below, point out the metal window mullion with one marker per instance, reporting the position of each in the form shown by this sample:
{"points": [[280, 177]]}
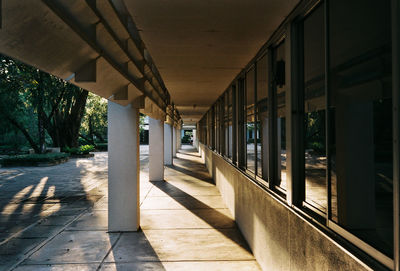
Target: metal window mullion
{"points": [[234, 123], [396, 128], [255, 120], [327, 117], [241, 123], [297, 193], [272, 123]]}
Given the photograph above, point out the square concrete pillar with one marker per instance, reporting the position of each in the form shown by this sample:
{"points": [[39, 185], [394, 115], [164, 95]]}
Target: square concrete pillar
{"points": [[123, 168], [156, 150], [195, 140], [174, 141], [168, 152], [178, 140]]}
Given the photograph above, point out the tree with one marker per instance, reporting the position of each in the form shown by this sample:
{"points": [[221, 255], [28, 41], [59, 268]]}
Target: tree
{"points": [[28, 96], [15, 101], [94, 123]]}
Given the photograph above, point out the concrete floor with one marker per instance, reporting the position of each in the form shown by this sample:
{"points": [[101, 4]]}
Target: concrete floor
{"points": [[55, 218]]}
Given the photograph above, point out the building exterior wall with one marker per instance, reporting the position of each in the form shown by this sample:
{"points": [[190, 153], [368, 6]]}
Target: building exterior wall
{"points": [[320, 99], [279, 238]]}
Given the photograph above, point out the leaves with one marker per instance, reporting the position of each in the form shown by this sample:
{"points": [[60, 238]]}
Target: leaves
{"points": [[28, 95]]}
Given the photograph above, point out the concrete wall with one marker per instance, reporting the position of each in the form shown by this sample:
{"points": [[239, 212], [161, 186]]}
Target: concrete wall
{"points": [[279, 238]]}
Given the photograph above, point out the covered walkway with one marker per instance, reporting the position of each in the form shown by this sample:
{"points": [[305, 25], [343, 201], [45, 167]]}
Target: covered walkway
{"points": [[184, 226]]}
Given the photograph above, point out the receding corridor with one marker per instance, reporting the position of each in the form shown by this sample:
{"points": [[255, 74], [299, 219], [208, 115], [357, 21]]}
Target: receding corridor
{"points": [[184, 226]]}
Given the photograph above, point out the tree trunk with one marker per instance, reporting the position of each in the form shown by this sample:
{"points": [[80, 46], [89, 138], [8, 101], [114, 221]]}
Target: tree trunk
{"points": [[25, 133], [41, 114], [65, 124]]}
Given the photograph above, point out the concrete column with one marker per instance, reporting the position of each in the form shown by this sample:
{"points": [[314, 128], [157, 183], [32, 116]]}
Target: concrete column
{"points": [[174, 141], [168, 152], [178, 139], [195, 140], [156, 150], [123, 168]]}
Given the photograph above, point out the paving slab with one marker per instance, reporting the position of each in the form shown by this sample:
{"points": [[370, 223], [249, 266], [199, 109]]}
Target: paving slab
{"points": [[132, 247], [19, 246], [186, 219], [95, 220], [40, 231], [74, 247], [57, 220], [187, 202], [212, 266], [142, 266], [181, 188], [8, 261], [59, 267], [185, 224], [181, 245]]}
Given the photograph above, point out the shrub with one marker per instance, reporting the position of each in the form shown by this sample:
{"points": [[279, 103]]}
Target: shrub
{"points": [[85, 149], [102, 146], [33, 159]]}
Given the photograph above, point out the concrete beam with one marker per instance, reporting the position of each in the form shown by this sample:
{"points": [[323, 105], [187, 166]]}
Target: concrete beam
{"points": [[139, 102], [122, 94], [87, 73], [123, 168], [156, 150]]}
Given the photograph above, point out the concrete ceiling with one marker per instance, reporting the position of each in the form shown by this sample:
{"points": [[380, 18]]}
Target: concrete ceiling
{"points": [[199, 46]]}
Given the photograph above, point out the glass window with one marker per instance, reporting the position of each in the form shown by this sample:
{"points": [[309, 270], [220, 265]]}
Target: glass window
{"points": [[216, 126], [361, 120], [212, 122], [241, 123], [230, 123], [314, 110], [221, 131], [250, 121], [280, 107], [226, 123], [262, 118]]}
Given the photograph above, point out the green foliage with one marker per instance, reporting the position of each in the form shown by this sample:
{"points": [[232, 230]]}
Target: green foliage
{"points": [[94, 122], [315, 131], [142, 118], [102, 146], [185, 139], [32, 159], [85, 149], [37, 107]]}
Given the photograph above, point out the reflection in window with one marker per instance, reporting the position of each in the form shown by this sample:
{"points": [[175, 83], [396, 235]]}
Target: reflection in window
{"points": [[314, 110], [230, 123], [226, 123], [221, 116], [361, 110], [280, 103], [262, 118], [251, 132]]}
